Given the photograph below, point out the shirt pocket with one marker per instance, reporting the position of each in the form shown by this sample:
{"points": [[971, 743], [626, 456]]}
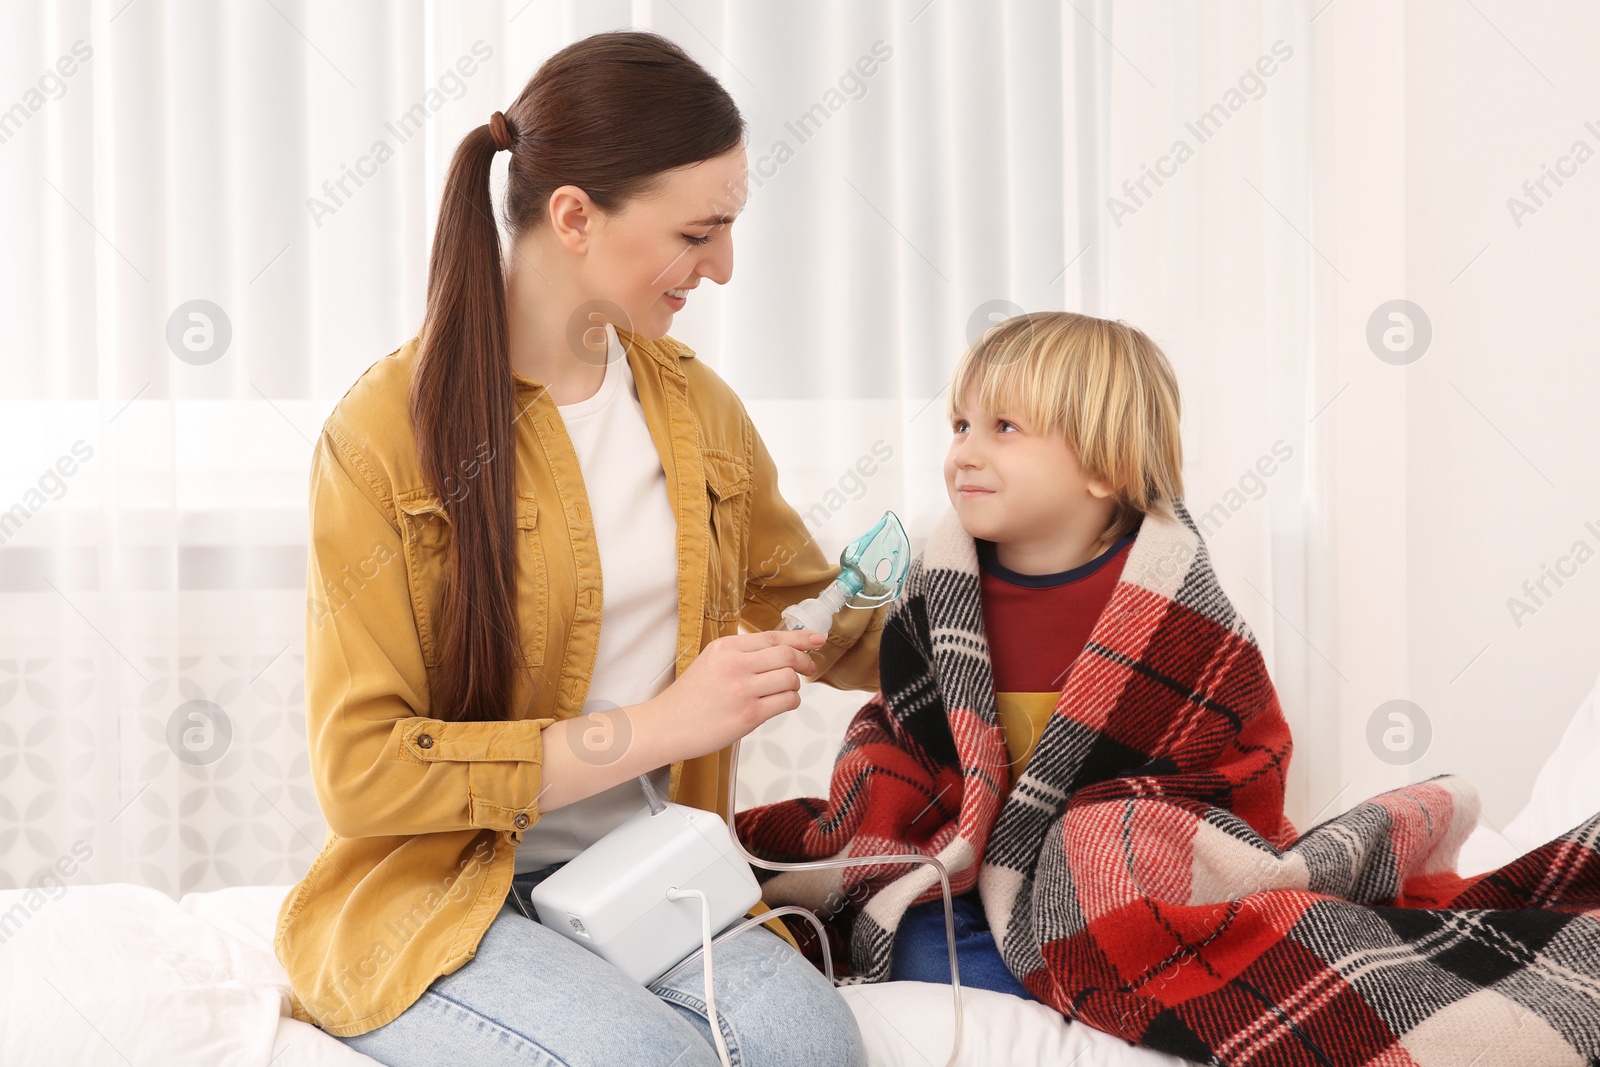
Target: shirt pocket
{"points": [[425, 534], [728, 486], [533, 600], [425, 531]]}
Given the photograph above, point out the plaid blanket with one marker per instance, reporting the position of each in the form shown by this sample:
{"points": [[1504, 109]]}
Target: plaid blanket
{"points": [[1140, 875]]}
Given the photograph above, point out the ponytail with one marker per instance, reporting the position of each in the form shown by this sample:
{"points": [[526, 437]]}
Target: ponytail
{"points": [[462, 404]]}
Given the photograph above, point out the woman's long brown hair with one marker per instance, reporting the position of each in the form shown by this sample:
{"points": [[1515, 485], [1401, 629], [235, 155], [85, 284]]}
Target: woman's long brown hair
{"points": [[608, 114]]}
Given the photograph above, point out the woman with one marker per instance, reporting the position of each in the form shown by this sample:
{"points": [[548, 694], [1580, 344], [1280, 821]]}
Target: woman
{"points": [[468, 494]]}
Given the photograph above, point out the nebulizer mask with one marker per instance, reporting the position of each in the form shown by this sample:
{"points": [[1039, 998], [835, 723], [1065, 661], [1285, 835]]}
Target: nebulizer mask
{"points": [[630, 896]]}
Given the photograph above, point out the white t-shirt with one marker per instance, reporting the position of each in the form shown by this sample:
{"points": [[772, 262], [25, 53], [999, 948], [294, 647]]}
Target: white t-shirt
{"points": [[638, 541]]}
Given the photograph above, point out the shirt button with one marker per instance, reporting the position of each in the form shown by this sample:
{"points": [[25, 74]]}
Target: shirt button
{"points": [[521, 821], [424, 741]]}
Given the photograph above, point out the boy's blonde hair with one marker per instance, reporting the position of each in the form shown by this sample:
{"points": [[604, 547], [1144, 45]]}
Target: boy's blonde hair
{"points": [[1103, 386]]}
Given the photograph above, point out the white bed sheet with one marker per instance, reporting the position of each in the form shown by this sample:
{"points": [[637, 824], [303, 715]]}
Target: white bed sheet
{"points": [[120, 973], [909, 1024]]}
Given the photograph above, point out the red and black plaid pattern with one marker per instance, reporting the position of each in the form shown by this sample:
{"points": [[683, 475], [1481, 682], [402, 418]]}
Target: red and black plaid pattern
{"points": [[1140, 874]]}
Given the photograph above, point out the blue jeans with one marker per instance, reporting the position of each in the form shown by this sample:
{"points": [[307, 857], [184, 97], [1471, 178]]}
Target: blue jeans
{"points": [[532, 997], [921, 948]]}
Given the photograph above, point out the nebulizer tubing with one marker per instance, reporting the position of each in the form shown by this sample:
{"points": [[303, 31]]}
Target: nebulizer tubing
{"points": [[872, 571], [674, 893]]}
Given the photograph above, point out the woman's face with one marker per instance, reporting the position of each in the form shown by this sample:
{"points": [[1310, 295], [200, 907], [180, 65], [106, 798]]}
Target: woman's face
{"points": [[646, 259]]}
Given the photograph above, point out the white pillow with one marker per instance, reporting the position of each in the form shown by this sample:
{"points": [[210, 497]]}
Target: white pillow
{"points": [[1566, 792], [910, 1024]]}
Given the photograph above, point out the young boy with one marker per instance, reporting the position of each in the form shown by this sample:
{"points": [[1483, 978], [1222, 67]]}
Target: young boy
{"points": [[1064, 432], [1076, 722]]}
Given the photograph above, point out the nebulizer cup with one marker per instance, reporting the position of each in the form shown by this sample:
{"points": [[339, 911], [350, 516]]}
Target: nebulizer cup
{"points": [[872, 571]]}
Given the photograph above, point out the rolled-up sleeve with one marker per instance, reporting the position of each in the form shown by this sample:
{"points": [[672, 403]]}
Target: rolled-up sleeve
{"points": [[380, 763]]}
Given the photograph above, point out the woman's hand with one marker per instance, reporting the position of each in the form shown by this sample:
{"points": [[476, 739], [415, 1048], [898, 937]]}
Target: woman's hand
{"points": [[734, 685]]}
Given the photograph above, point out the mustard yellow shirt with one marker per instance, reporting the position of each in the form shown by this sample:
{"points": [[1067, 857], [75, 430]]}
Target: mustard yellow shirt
{"points": [[424, 814]]}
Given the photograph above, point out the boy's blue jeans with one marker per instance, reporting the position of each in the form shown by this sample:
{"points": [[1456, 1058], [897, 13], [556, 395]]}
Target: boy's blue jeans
{"points": [[921, 952], [532, 997]]}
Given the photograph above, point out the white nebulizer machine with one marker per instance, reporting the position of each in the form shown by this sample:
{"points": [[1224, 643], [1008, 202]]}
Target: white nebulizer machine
{"points": [[648, 896]]}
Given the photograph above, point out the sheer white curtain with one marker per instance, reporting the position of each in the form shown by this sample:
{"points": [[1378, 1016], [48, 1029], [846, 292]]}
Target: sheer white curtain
{"points": [[1022, 157], [205, 245]]}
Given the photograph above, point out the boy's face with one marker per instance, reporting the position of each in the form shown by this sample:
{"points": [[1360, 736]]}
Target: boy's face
{"points": [[1012, 484]]}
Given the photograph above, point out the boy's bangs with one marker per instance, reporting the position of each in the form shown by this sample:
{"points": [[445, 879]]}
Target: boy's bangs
{"points": [[1004, 377]]}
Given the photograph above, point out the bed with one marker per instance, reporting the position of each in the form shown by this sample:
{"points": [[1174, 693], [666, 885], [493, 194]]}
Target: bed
{"points": [[120, 973]]}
